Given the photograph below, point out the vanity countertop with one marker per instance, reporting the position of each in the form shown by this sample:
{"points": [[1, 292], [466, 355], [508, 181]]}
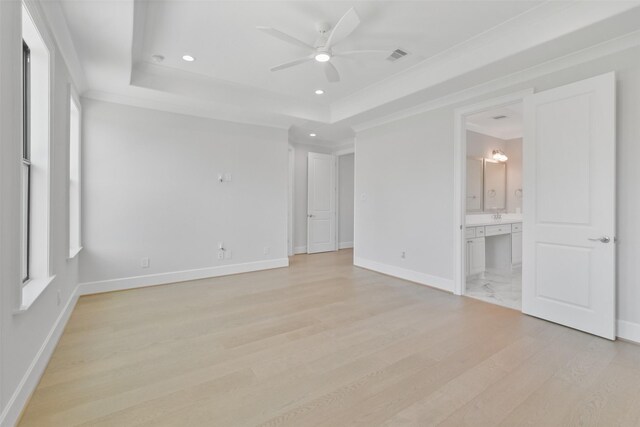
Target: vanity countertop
{"points": [[482, 224], [482, 220]]}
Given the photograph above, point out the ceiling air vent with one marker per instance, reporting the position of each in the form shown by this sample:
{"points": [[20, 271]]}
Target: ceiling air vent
{"points": [[498, 117], [397, 54]]}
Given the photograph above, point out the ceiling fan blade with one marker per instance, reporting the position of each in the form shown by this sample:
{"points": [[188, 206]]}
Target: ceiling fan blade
{"points": [[344, 27], [331, 72], [291, 63], [361, 52], [285, 37]]}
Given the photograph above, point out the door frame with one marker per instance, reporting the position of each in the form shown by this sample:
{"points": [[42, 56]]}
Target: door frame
{"points": [[290, 200], [460, 177], [338, 154]]}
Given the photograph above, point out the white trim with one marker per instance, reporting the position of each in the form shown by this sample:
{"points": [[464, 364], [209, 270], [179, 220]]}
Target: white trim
{"points": [[299, 250], [459, 176], [31, 291], [629, 331], [74, 253], [345, 245], [97, 287], [32, 376], [337, 205], [291, 152], [345, 151], [573, 59], [440, 283], [62, 36], [505, 136], [188, 108]]}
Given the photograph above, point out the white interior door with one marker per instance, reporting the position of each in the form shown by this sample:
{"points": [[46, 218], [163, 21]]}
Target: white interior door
{"points": [[321, 208], [569, 205]]}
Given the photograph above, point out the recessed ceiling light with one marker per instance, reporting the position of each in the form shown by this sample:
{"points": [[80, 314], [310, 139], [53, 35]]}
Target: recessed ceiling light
{"points": [[322, 56], [312, 134], [157, 58], [188, 58], [319, 91]]}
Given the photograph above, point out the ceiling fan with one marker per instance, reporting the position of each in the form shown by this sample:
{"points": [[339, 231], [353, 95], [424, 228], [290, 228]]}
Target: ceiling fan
{"points": [[322, 50]]}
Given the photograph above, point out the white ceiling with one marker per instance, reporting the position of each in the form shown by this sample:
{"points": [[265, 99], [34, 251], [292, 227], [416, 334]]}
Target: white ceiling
{"points": [[508, 127], [223, 38], [453, 45]]}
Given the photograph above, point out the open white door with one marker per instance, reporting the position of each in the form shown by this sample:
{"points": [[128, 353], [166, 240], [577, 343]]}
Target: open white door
{"points": [[321, 208], [568, 273]]}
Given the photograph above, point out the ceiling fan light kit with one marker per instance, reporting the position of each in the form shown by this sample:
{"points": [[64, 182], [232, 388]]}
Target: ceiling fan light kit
{"points": [[322, 56], [322, 51]]}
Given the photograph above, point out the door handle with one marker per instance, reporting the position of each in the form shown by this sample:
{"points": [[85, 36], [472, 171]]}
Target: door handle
{"points": [[310, 216], [603, 239]]}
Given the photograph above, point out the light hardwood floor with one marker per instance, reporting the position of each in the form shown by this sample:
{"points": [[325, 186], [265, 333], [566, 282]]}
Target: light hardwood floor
{"points": [[325, 343]]}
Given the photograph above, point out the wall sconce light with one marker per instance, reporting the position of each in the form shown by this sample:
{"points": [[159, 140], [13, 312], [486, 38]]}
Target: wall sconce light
{"points": [[499, 156]]}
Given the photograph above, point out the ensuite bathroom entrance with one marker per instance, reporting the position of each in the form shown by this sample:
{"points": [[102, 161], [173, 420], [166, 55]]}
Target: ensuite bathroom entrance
{"points": [[493, 226]]}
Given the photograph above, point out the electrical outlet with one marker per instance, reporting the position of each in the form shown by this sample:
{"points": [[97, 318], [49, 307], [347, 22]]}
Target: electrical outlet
{"points": [[144, 262], [59, 297], [227, 254], [220, 254], [403, 254], [266, 250], [227, 177]]}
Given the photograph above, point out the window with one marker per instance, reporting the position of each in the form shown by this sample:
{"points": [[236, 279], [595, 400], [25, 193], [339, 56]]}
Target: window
{"points": [[74, 176], [26, 159], [35, 162]]}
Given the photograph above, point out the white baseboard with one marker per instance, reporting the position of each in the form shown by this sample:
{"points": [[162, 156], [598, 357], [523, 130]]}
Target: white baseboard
{"points": [[31, 377], [629, 331], [402, 273], [300, 250], [89, 288], [345, 245]]}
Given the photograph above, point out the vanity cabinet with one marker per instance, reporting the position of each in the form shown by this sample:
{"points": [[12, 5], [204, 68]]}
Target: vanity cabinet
{"points": [[502, 254], [516, 248], [475, 256]]}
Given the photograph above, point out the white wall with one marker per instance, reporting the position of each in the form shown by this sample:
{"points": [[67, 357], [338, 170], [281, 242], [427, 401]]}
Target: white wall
{"points": [[300, 193], [345, 200], [151, 190], [481, 145], [404, 201], [405, 170], [27, 339]]}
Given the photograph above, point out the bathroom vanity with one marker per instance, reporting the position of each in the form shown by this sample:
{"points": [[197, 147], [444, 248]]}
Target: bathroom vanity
{"points": [[493, 245]]}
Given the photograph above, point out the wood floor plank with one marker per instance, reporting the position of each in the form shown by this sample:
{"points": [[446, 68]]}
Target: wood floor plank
{"points": [[323, 343]]}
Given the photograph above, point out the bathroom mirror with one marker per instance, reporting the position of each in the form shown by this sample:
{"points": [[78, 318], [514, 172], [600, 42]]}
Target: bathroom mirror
{"points": [[486, 185], [495, 185], [475, 180]]}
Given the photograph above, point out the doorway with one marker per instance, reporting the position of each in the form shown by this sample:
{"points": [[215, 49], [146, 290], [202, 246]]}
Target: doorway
{"points": [[493, 216], [488, 264], [568, 204], [333, 181], [330, 201]]}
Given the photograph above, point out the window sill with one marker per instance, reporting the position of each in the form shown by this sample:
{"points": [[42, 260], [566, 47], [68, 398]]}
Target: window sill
{"points": [[74, 253], [31, 291]]}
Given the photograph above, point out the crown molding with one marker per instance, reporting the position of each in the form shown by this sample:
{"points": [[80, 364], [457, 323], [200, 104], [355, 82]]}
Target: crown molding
{"points": [[609, 47], [174, 107], [58, 27], [544, 24]]}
